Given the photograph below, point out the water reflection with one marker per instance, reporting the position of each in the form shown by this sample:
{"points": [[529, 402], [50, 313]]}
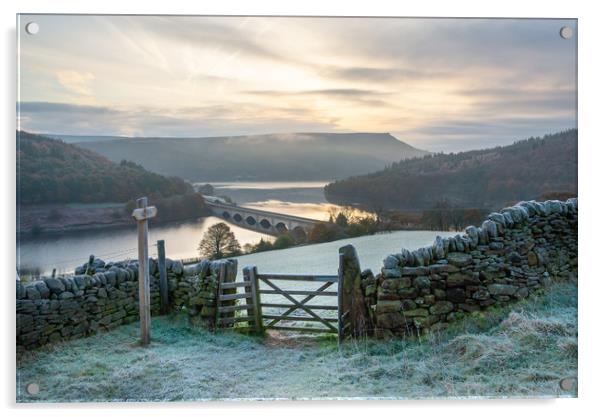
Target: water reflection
{"points": [[317, 211]]}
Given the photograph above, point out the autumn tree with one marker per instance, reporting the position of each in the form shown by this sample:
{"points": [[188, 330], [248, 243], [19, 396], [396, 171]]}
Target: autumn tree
{"points": [[219, 242], [324, 232]]}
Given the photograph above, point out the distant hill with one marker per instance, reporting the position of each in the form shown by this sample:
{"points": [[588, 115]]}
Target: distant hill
{"points": [[84, 138], [274, 157], [50, 171], [488, 178]]}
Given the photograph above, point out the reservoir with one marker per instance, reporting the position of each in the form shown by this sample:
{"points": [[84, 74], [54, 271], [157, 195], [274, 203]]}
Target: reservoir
{"points": [[40, 255]]}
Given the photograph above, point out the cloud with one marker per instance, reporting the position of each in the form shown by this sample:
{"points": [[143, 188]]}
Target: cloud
{"points": [[524, 101], [224, 36], [72, 119], [445, 44], [76, 82], [439, 83], [217, 33], [378, 75], [355, 95], [345, 92], [337, 92], [472, 133], [29, 107]]}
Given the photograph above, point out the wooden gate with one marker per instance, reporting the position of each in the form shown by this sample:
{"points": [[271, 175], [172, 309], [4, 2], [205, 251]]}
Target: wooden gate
{"points": [[265, 285], [352, 317]]}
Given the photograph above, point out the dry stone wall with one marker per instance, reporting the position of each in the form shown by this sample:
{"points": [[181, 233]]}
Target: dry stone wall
{"points": [[102, 296], [514, 253]]}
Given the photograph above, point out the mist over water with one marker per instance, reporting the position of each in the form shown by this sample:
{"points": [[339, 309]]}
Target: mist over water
{"points": [[290, 192]]}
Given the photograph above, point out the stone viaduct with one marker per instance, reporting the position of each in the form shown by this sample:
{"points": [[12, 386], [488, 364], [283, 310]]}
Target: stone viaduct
{"points": [[261, 221]]}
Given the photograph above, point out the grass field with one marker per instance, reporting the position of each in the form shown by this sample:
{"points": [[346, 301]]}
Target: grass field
{"points": [[520, 351]]}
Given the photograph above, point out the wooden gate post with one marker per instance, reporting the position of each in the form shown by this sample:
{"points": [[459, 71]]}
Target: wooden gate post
{"points": [[257, 310], [163, 288], [230, 269], [142, 213], [354, 320]]}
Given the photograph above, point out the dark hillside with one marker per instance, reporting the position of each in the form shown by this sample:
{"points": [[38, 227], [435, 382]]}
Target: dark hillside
{"points": [[50, 171], [487, 178]]}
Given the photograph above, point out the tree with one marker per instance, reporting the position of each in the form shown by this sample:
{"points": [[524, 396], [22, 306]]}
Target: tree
{"points": [[219, 242], [438, 217], [341, 220], [325, 232], [263, 245], [248, 248], [284, 241], [207, 189]]}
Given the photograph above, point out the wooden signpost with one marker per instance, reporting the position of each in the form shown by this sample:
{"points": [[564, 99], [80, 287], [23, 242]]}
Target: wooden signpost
{"points": [[142, 213]]}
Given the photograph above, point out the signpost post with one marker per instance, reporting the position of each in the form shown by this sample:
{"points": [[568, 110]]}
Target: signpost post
{"points": [[142, 213]]}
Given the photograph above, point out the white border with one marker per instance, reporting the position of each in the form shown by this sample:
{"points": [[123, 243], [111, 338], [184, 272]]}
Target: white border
{"points": [[589, 196]]}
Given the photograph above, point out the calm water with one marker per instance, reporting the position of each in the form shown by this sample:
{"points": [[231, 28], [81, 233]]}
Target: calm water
{"points": [[273, 185], [65, 252]]}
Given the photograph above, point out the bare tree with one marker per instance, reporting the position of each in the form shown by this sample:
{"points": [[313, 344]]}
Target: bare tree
{"points": [[219, 242]]}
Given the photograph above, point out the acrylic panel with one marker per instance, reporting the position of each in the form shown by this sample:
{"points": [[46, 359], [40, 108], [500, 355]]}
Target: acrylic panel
{"points": [[220, 207]]}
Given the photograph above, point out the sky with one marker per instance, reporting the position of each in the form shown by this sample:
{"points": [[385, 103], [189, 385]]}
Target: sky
{"points": [[437, 84]]}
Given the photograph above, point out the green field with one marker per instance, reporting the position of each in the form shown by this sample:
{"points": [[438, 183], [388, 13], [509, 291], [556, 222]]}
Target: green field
{"points": [[520, 351]]}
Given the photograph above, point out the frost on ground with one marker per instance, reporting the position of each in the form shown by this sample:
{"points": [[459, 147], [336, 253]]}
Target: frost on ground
{"points": [[523, 350]]}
